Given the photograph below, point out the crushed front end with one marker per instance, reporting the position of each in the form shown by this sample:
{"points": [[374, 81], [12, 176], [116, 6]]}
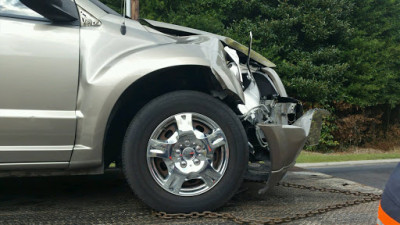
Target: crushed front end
{"points": [[275, 124], [276, 127]]}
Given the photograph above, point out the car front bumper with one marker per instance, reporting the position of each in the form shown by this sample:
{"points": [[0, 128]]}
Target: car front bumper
{"points": [[286, 141]]}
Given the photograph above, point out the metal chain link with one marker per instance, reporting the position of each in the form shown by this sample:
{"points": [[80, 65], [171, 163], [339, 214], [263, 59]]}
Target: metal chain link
{"points": [[367, 197]]}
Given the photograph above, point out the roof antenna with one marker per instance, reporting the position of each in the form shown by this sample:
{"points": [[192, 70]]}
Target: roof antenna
{"points": [[123, 27]]}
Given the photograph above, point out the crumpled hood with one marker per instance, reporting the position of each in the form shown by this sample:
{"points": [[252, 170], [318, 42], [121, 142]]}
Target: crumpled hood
{"points": [[186, 31]]}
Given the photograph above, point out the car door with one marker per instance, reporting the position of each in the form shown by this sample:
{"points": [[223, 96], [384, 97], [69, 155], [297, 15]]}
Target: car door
{"points": [[39, 68]]}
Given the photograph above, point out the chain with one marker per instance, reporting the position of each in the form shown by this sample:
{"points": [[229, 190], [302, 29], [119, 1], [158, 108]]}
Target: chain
{"points": [[367, 197]]}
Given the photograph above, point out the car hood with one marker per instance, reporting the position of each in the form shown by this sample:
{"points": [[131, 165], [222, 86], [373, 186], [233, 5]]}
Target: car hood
{"points": [[176, 30]]}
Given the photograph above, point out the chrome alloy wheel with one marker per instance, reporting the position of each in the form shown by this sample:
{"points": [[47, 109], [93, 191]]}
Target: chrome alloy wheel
{"points": [[187, 154]]}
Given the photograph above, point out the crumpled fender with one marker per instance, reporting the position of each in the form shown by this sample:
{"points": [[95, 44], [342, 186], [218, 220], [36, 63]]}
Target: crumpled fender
{"points": [[109, 66], [193, 50]]}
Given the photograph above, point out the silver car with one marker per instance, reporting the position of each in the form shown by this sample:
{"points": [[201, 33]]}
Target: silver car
{"points": [[186, 114]]}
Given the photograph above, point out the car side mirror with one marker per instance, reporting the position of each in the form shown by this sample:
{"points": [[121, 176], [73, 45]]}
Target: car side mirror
{"points": [[54, 10]]}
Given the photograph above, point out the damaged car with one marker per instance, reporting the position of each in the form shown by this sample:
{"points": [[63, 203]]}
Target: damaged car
{"points": [[186, 114]]}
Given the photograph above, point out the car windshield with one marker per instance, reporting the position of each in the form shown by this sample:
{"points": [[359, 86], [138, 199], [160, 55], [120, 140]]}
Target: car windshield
{"points": [[105, 7]]}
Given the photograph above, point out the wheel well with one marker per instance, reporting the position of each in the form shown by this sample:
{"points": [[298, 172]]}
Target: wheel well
{"points": [[148, 87]]}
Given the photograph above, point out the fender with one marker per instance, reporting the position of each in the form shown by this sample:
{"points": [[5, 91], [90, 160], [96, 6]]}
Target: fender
{"points": [[104, 76]]}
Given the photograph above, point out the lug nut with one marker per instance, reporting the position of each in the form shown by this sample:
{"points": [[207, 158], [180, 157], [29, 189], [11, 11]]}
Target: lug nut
{"points": [[198, 148], [183, 164], [196, 161]]}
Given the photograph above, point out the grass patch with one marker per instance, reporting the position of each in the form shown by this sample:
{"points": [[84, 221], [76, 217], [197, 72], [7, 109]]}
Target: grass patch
{"points": [[312, 157]]}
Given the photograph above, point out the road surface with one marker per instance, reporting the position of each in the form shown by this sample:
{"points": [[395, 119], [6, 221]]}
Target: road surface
{"points": [[374, 175]]}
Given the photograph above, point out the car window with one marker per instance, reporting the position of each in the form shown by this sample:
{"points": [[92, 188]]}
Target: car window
{"points": [[14, 8]]}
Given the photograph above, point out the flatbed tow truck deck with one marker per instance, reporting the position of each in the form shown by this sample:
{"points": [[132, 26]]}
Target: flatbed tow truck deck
{"points": [[106, 199]]}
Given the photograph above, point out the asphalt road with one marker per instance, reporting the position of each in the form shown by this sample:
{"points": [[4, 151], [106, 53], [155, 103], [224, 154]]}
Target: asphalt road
{"points": [[374, 175]]}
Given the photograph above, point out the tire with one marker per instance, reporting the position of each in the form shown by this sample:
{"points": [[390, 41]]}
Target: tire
{"points": [[151, 181]]}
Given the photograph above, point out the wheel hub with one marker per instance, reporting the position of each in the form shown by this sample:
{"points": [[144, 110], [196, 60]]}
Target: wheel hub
{"points": [[188, 155], [189, 161]]}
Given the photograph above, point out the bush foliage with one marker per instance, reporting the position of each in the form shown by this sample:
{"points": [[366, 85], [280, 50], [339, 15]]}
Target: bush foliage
{"points": [[337, 54]]}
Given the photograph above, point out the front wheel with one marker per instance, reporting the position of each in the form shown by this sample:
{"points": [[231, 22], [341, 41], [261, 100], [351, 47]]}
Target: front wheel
{"points": [[185, 151]]}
